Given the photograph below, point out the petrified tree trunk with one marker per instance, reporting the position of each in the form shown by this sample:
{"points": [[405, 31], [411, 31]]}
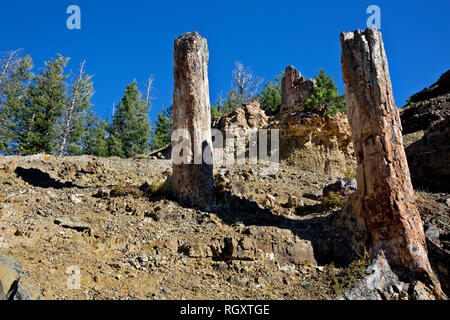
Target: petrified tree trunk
{"points": [[295, 90], [192, 180], [384, 183]]}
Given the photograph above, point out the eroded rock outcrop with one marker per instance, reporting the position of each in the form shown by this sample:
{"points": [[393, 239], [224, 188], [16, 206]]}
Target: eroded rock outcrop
{"points": [[384, 185], [429, 158], [318, 143], [248, 116], [425, 122], [295, 90], [192, 180]]}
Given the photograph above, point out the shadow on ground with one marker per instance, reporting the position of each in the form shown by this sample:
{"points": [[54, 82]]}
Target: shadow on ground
{"points": [[41, 179], [330, 244]]}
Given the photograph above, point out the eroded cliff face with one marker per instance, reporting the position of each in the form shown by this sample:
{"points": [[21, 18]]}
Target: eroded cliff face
{"points": [[425, 122], [318, 143]]}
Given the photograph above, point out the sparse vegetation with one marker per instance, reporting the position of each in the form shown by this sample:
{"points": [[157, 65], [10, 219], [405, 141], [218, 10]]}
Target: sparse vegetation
{"points": [[342, 279], [126, 190], [333, 200], [158, 186], [350, 174]]}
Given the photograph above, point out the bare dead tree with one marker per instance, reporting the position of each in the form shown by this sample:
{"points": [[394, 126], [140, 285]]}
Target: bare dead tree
{"points": [[245, 82], [80, 95], [6, 60], [148, 91]]}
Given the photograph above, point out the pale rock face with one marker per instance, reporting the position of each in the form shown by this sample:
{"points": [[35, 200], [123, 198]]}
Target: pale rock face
{"points": [[192, 183], [384, 183], [320, 144]]}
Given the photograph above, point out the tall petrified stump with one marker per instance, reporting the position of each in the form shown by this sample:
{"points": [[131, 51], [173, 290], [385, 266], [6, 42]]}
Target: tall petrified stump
{"points": [[384, 183], [192, 179]]}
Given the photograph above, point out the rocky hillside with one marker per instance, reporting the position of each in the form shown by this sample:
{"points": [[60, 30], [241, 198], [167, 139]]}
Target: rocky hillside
{"points": [[425, 122], [272, 237]]}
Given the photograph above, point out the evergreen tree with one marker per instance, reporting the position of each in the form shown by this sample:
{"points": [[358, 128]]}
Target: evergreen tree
{"points": [[270, 96], [325, 98], [95, 136], [15, 76], [162, 132], [46, 100], [234, 100], [130, 127], [72, 120]]}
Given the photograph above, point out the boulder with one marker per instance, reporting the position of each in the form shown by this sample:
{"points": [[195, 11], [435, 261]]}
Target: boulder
{"points": [[380, 283], [343, 187], [14, 282]]}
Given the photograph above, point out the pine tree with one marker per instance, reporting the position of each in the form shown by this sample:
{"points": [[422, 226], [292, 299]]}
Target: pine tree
{"points": [[233, 101], [47, 98], [325, 98], [130, 127], [94, 140], [270, 96], [72, 119], [162, 132], [14, 82]]}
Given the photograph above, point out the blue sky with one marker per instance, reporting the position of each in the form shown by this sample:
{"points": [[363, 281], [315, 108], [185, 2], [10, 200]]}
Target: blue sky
{"points": [[126, 40]]}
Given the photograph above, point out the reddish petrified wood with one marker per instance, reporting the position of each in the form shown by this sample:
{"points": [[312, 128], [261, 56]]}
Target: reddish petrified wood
{"points": [[388, 205], [192, 182]]}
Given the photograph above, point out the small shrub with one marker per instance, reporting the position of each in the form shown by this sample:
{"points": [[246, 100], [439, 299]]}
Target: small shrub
{"points": [[333, 200], [345, 278], [158, 186], [125, 190], [350, 174]]}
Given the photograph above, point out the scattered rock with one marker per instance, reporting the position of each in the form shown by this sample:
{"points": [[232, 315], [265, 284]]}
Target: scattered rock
{"points": [[343, 187], [78, 226], [431, 231], [14, 283], [421, 292], [379, 284], [74, 199], [293, 202], [270, 201]]}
